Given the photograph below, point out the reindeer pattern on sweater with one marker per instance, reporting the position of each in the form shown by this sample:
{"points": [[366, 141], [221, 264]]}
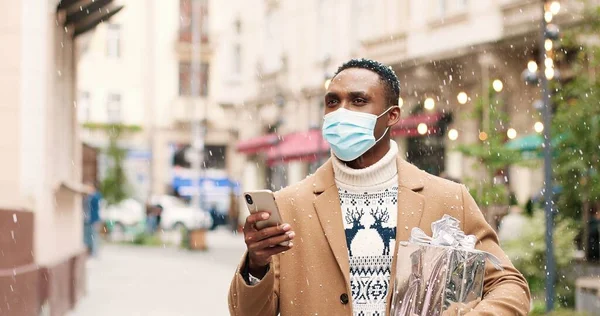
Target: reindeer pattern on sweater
{"points": [[370, 226]]}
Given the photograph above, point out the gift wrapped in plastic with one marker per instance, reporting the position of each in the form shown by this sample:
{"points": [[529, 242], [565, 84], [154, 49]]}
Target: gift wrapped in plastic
{"points": [[434, 274]]}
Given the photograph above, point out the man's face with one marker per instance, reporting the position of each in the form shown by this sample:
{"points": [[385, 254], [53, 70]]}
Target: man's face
{"points": [[360, 90]]}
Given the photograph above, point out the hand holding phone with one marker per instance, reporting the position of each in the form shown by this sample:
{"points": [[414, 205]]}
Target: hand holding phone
{"points": [[265, 233]]}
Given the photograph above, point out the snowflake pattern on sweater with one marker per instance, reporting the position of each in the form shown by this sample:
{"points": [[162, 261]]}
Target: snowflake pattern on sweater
{"points": [[370, 226]]}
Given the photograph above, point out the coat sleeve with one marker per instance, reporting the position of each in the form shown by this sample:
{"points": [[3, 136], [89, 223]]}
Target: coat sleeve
{"points": [[261, 299], [505, 292]]}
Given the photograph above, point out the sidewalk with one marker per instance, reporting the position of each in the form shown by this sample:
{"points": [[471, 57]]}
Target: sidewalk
{"points": [[129, 280]]}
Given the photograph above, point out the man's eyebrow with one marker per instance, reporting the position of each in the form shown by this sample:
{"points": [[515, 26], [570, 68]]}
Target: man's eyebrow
{"points": [[359, 94], [331, 95]]}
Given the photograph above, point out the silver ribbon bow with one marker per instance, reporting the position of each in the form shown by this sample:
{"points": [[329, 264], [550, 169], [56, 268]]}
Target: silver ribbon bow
{"points": [[446, 232]]}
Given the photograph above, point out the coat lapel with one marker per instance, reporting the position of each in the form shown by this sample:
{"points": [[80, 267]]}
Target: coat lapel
{"points": [[410, 210], [410, 203], [327, 206]]}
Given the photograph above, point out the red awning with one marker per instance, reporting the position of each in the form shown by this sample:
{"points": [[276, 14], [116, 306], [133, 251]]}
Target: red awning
{"points": [[256, 144], [408, 126], [303, 146]]}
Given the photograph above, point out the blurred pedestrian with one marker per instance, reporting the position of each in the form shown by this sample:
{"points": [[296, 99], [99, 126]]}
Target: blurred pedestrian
{"points": [[217, 217], [152, 215], [92, 223], [345, 216]]}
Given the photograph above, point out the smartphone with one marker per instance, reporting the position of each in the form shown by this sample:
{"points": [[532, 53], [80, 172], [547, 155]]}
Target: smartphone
{"points": [[264, 200]]}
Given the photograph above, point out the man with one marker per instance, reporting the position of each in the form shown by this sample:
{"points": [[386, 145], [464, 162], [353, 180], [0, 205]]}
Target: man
{"points": [[91, 210], [346, 219]]}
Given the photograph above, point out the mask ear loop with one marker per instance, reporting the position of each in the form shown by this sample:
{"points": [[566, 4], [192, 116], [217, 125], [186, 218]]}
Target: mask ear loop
{"points": [[385, 112], [388, 128]]}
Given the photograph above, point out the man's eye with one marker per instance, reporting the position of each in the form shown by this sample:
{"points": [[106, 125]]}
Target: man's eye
{"points": [[359, 100], [331, 102]]}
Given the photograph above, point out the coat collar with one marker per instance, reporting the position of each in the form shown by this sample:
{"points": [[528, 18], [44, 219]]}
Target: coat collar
{"points": [[409, 176]]}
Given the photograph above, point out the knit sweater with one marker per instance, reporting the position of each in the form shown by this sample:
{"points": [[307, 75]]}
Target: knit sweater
{"points": [[369, 203]]}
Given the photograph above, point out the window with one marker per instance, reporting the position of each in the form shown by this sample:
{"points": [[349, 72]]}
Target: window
{"points": [[427, 153], [113, 41], [187, 80], [271, 60], [215, 156], [113, 108], [187, 22], [451, 7], [237, 58], [238, 27], [442, 7], [276, 177], [84, 106]]}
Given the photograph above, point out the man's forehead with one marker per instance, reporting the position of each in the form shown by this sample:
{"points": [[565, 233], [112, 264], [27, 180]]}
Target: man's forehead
{"points": [[355, 79]]}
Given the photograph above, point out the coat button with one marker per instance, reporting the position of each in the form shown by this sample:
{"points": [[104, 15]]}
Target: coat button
{"points": [[344, 298]]}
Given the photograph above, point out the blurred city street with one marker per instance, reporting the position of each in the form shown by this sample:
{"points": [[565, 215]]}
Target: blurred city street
{"points": [[128, 280], [146, 124]]}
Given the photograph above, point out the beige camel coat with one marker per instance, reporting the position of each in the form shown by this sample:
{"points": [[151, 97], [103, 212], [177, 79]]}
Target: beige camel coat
{"points": [[313, 277]]}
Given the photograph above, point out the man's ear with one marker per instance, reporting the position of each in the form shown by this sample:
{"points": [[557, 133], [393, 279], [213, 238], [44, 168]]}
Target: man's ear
{"points": [[394, 116]]}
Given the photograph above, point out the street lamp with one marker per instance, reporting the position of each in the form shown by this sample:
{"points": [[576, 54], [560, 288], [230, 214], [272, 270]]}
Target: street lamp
{"points": [[548, 34]]}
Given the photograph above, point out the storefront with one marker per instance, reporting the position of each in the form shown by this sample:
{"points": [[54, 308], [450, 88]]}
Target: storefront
{"points": [[288, 159]]}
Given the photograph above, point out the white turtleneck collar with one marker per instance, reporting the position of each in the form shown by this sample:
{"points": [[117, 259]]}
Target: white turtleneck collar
{"points": [[380, 175]]}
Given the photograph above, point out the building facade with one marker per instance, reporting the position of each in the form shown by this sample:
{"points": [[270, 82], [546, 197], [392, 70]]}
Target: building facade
{"points": [[113, 86], [447, 54], [139, 70], [42, 266]]}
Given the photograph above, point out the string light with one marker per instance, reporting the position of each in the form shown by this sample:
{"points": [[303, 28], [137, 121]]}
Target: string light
{"points": [[532, 66], [422, 128], [400, 102], [327, 83], [483, 136], [429, 104], [453, 134], [549, 73], [548, 44], [538, 127], [549, 62], [462, 97], [511, 133], [497, 85], [555, 7], [548, 16]]}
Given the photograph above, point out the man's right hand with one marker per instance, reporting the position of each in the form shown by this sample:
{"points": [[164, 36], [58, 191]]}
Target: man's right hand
{"points": [[264, 243]]}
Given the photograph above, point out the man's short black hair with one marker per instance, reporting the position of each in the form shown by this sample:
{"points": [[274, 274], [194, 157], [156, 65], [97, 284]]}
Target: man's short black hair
{"points": [[386, 75]]}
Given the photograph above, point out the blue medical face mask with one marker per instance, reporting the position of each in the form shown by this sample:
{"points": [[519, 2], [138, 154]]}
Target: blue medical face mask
{"points": [[350, 133]]}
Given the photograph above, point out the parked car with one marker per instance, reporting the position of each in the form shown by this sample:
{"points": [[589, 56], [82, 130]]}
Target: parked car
{"points": [[123, 219], [178, 215]]}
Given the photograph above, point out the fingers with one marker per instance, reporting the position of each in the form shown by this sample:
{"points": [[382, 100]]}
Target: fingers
{"points": [[264, 243], [272, 231], [253, 219], [271, 241]]}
